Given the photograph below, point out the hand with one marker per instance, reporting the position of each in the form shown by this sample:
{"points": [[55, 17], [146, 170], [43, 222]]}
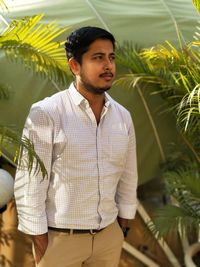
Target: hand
{"points": [[40, 245], [123, 223]]}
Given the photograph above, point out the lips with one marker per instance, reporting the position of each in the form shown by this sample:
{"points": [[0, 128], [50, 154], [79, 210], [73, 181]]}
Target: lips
{"points": [[106, 75]]}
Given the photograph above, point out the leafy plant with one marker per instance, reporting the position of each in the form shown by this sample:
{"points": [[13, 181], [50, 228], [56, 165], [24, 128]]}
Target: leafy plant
{"points": [[174, 74], [13, 142], [183, 185], [29, 42], [33, 44]]}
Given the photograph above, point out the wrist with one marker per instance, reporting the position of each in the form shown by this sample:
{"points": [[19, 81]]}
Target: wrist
{"points": [[40, 240], [122, 221], [125, 230]]}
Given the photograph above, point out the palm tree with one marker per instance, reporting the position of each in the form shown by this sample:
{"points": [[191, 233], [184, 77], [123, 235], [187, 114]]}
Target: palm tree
{"points": [[29, 42], [175, 75]]}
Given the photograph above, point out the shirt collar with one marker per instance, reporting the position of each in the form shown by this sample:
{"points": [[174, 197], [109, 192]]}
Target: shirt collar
{"points": [[75, 95], [78, 98], [107, 100]]}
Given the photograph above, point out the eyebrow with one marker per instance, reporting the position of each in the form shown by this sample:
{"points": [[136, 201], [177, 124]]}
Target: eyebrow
{"points": [[101, 53]]}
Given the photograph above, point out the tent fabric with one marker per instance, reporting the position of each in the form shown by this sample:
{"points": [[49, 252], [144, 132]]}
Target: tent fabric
{"points": [[145, 23]]}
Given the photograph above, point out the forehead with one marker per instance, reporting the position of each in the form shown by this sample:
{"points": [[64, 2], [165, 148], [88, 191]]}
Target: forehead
{"points": [[101, 46]]}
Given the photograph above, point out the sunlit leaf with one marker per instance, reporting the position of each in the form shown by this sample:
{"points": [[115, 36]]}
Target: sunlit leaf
{"points": [[174, 72], [197, 4], [35, 45], [10, 138], [3, 5]]}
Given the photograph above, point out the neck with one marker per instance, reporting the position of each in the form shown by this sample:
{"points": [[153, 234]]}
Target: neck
{"points": [[93, 99], [96, 101]]}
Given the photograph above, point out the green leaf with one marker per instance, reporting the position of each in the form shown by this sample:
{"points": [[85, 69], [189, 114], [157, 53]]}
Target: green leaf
{"points": [[175, 75], [170, 219], [196, 3], [189, 109], [183, 213], [11, 141], [33, 44]]}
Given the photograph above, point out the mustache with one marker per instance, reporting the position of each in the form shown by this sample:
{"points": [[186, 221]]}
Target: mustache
{"points": [[106, 74]]}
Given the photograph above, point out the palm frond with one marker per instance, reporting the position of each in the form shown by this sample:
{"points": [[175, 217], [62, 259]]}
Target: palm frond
{"points": [[196, 35], [182, 179], [133, 79], [189, 108], [170, 219], [11, 141], [3, 5], [35, 46], [183, 185], [175, 73], [196, 4], [129, 57]]}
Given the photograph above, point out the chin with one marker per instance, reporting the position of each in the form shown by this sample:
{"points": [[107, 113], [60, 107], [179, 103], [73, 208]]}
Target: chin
{"points": [[96, 89], [102, 90]]}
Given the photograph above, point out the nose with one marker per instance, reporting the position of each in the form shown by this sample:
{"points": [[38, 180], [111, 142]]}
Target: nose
{"points": [[108, 65]]}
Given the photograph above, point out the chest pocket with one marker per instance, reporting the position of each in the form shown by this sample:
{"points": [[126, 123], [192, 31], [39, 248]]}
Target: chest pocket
{"points": [[118, 146]]}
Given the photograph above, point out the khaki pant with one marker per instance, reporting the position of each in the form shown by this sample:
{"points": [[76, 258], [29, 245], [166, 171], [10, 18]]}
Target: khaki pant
{"points": [[84, 250]]}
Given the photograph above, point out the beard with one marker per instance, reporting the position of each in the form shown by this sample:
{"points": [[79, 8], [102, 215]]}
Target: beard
{"points": [[93, 89]]}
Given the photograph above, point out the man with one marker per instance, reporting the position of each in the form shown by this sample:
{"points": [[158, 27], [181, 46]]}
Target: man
{"points": [[87, 143]]}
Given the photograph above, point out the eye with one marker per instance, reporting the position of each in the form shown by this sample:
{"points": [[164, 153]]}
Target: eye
{"points": [[98, 57], [112, 58]]}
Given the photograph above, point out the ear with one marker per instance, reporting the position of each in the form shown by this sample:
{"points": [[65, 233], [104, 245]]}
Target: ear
{"points": [[74, 66]]}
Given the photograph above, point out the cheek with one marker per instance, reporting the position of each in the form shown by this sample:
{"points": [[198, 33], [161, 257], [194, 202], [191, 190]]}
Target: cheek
{"points": [[92, 70], [88, 75]]}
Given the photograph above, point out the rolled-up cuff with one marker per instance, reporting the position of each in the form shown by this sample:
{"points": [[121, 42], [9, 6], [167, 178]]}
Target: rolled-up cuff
{"points": [[127, 211], [33, 226]]}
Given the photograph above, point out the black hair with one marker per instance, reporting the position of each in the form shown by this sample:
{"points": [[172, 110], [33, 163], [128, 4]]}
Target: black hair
{"points": [[78, 41]]}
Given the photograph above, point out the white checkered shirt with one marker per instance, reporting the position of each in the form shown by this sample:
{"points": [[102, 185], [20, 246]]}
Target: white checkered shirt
{"points": [[92, 170]]}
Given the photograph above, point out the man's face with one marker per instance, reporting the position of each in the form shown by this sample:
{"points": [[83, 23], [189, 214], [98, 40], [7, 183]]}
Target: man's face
{"points": [[97, 70]]}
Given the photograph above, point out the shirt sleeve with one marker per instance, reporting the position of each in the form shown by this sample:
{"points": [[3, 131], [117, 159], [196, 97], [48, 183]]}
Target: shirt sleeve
{"points": [[126, 195], [31, 188]]}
